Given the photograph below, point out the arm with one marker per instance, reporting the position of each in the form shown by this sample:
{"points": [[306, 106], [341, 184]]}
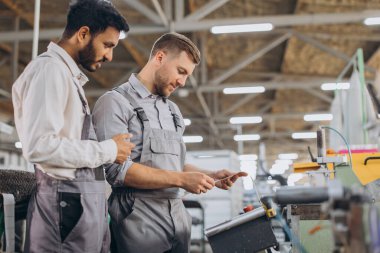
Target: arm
{"points": [[224, 179], [43, 118], [144, 177], [112, 114]]}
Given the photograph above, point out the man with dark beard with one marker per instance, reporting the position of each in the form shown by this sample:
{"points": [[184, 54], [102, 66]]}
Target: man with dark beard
{"points": [[147, 213], [68, 211]]}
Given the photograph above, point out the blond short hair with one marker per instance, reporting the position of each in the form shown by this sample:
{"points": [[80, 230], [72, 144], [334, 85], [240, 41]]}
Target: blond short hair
{"points": [[175, 42]]}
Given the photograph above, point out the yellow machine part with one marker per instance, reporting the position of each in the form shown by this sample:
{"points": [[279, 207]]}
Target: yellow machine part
{"points": [[369, 172]]}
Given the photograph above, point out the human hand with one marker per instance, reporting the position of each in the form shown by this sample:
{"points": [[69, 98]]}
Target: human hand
{"points": [[124, 147], [197, 182], [225, 178]]}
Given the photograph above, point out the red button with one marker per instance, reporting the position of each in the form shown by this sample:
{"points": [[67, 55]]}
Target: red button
{"points": [[248, 208]]}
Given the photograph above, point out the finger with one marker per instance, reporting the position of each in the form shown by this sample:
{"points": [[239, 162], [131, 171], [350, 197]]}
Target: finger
{"points": [[131, 145], [203, 190], [210, 181], [242, 174], [208, 186], [229, 182], [126, 136]]}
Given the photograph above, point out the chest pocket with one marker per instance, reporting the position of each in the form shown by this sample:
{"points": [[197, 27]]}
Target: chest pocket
{"points": [[172, 147], [166, 154]]}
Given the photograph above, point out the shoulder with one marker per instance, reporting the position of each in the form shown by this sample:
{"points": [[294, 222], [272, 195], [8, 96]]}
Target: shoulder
{"points": [[112, 99], [176, 108]]}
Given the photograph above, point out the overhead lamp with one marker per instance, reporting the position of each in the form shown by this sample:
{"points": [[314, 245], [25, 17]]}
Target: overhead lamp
{"points": [[284, 161], [335, 86], [205, 156], [280, 166], [244, 90], [372, 21], [187, 122], [288, 156], [318, 117], [247, 137], [18, 144], [248, 164], [246, 120], [192, 139], [304, 135], [263, 27], [248, 157], [122, 35]]}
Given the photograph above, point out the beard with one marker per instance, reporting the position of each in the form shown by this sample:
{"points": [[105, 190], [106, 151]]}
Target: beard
{"points": [[87, 57], [161, 84]]}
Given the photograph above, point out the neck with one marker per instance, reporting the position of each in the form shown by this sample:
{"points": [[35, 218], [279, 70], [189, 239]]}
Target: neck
{"points": [[67, 46], [146, 77]]}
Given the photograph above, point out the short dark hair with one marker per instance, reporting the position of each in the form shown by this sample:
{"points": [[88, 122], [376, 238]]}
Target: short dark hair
{"points": [[176, 42], [98, 15]]}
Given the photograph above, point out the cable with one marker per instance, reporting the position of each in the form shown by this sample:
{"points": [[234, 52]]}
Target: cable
{"points": [[287, 230], [345, 141]]}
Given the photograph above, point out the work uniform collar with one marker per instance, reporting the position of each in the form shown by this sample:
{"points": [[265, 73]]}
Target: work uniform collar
{"points": [[141, 90], [58, 51]]}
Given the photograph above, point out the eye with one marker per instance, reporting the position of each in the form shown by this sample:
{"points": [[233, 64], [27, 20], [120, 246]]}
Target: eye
{"points": [[108, 45], [182, 71]]}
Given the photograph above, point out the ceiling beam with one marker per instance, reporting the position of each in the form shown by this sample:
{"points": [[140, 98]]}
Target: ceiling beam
{"points": [[206, 111], [19, 12], [265, 116], [182, 26], [147, 12], [179, 9], [239, 103], [205, 10], [327, 49], [300, 84], [318, 94], [248, 60], [137, 56], [161, 14]]}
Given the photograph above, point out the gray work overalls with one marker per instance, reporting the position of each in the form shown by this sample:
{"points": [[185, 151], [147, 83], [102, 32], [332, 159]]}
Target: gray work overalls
{"points": [[69, 215], [152, 221]]}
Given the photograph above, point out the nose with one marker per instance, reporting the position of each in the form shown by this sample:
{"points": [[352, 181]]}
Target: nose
{"points": [[181, 81], [109, 55]]}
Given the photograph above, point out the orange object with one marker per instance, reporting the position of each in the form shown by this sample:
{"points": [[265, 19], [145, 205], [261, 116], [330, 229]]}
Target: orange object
{"points": [[302, 167], [248, 208], [314, 230]]}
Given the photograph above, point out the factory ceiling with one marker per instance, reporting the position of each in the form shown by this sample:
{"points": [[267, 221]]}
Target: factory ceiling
{"points": [[311, 43]]}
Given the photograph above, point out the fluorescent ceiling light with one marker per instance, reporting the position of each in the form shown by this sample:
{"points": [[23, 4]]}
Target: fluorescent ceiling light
{"points": [[318, 117], [304, 135], [122, 35], [247, 137], [187, 122], [244, 90], [246, 120], [205, 156], [248, 164], [248, 157], [372, 21], [192, 139], [284, 161], [288, 156], [275, 171], [335, 86], [18, 144], [263, 27], [279, 166]]}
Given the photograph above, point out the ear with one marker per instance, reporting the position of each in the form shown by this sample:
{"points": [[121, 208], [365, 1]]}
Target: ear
{"points": [[159, 57], [83, 35]]}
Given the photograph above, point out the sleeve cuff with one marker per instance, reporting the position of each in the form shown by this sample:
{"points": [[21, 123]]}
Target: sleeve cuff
{"points": [[110, 150]]}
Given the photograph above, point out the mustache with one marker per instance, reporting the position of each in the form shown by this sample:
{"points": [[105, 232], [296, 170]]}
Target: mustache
{"points": [[103, 60]]}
